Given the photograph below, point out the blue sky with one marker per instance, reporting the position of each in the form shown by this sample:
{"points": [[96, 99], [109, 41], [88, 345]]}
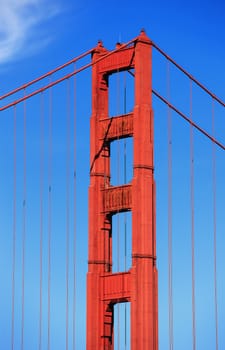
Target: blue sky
{"points": [[35, 37]]}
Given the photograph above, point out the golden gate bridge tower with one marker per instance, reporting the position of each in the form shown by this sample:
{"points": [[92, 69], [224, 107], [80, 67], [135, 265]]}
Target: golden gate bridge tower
{"points": [[138, 285], [39, 211]]}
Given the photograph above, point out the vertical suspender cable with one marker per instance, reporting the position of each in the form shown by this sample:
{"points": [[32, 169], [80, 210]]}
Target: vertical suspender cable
{"points": [[41, 213], [214, 225], [24, 223], [125, 216], [118, 182], [67, 209], [170, 286], [49, 217], [192, 222], [14, 230], [74, 214], [125, 176]]}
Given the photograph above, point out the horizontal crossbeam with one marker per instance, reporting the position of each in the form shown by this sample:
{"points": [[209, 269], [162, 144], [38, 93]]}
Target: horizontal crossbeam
{"points": [[117, 127], [116, 287]]}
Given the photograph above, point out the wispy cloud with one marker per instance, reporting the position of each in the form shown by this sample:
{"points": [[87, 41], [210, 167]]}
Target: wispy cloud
{"points": [[19, 21]]}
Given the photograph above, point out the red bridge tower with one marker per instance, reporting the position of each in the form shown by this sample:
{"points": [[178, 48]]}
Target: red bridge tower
{"points": [[138, 285]]}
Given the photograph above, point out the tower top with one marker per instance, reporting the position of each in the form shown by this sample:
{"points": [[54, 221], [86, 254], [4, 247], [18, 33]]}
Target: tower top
{"points": [[143, 36]]}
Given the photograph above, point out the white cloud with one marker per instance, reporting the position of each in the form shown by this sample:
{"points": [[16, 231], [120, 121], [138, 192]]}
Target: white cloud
{"points": [[18, 21]]}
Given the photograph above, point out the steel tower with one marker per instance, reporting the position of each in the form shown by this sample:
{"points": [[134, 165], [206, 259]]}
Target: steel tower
{"points": [[138, 285]]}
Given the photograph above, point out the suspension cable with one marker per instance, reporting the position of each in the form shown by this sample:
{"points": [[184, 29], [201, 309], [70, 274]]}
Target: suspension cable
{"points": [[214, 226], [125, 214], [14, 228], [67, 76], [185, 117], [49, 74], [49, 217], [170, 287], [41, 213], [192, 221], [189, 75], [67, 211], [196, 126], [74, 212], [125, 175], [118, 216], [24, 221]]}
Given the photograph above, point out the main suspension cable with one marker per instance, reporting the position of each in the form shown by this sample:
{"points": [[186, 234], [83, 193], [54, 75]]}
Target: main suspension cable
{"points": [[48, 74], [65, 77], [189, 75], [185, 117]]}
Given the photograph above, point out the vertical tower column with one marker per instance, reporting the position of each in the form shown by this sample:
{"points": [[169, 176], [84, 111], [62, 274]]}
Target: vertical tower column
{"points": [[99, 226], [138, 285], [144, 288]]}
